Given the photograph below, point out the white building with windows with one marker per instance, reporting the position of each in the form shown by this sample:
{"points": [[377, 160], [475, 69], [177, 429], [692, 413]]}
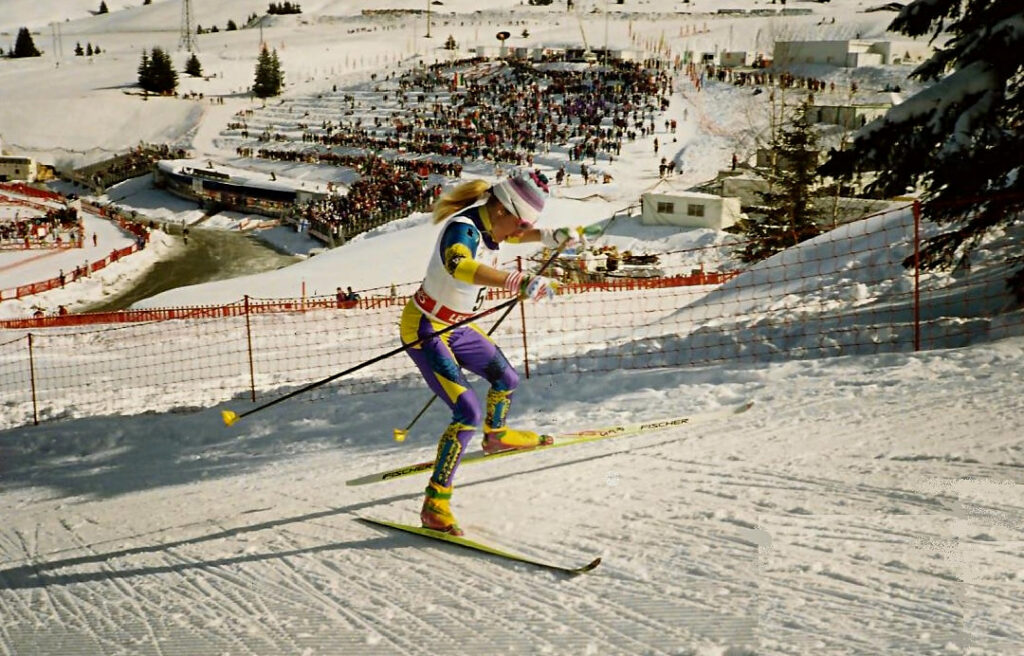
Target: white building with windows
{"points": [[689, 209], [851, 116], [852, 53], [13, 167], [625, 54], [491, 52], [736, 58]]}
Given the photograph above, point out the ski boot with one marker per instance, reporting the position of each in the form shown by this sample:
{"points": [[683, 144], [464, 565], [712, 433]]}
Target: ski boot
{"points": [[497, 440], [497, 436], [437, 513]]}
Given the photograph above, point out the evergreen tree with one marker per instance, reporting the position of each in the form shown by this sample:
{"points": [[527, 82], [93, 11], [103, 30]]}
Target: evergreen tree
{"points": [[24, 46], [285, 7], [277, 76], [103, 7], [269, 78], [960, 139], [193, 67], [231, 26], [147, 2], [165, 77], [145, 71], [157, 74], [95, 50], [261, 85], [450, 44], [789, 211], [78, 50], [88, 50]]}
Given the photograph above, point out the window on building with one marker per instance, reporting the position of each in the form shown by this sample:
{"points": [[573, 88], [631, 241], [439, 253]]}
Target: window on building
{"points": [[693, 209], [666, 208]]}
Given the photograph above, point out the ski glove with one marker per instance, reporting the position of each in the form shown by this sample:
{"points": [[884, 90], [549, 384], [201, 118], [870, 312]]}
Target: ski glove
{"points": [[567, 237], [528, 285], [538, 288]]}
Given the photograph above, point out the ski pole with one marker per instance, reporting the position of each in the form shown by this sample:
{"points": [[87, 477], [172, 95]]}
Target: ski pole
{"points": [[230, 417], [401, 433]]}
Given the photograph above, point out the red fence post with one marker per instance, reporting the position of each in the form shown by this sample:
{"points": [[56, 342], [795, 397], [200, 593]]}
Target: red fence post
{"points": [[248, 339], [917, 275]]}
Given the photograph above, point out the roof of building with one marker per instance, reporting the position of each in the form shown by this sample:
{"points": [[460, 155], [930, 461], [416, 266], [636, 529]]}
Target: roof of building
{"points": [[206, 169]]}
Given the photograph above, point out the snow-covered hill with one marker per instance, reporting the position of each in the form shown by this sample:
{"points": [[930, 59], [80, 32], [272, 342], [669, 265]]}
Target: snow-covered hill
{"points": [[866, 504], [73, 110]]}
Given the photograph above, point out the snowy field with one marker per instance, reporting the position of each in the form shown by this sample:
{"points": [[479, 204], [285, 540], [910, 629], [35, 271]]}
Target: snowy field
{"points": [[864, 505], [869, 502]]}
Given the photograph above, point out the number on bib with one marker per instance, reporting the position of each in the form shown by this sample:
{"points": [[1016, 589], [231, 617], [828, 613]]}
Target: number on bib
{"points": [[480, 298]]}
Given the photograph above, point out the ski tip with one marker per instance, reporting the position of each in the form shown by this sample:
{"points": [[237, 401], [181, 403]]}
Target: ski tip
{"points": [[743, 407], [588, 567]]}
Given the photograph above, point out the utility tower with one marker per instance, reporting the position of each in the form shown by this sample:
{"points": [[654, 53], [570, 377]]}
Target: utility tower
{"points": [[58, 41], [188, 29]]}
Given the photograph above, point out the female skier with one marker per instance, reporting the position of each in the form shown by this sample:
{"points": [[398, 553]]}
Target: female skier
{"points": [[477, 217]]}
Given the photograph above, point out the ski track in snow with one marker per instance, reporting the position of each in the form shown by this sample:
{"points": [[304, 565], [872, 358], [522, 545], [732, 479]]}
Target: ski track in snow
{"points": [[806, 525], [865, 505]]}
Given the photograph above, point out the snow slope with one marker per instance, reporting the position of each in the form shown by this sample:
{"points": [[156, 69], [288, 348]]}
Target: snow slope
{"points": [[866, 504], [74, 110]]}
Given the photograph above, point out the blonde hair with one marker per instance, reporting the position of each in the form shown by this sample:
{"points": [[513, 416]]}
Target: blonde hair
{"points": [[459, 198]]}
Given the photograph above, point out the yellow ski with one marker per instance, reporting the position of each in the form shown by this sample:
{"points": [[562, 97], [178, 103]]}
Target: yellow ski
{"points": [[562, 439], [481, 547]]}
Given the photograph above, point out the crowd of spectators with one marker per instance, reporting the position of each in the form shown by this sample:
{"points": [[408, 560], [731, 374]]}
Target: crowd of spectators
{"points": [[382, 193], [57, 228], [423, 127], [763, 78], [422, 166], [507, 115]]}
